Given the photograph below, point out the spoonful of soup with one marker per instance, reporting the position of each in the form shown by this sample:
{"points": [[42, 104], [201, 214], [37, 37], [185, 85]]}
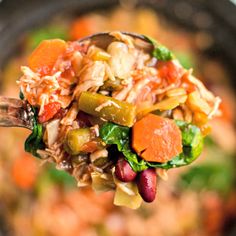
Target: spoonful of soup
{"points": [[116, 110]]}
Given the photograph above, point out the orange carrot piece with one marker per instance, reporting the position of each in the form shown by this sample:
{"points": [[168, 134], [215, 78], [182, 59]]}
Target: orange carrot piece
{"points": [[45, 55], [156, 139]]}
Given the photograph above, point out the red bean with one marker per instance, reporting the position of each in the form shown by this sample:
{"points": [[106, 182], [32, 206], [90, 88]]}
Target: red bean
{"points": [[146, 183], [123, 171]]}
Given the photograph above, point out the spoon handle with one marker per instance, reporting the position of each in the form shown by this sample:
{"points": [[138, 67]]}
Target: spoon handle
{"points": [[15, 113]]}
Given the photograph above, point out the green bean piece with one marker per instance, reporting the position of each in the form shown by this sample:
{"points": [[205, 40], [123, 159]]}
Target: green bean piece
{"points": [[76, 138], [108, 108], [110, 85]]}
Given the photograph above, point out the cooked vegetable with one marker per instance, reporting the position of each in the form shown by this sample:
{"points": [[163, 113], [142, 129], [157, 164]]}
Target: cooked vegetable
{"points": [[76, 138], [146, 182], [102, 182], [160, 52], [112, 85], [156, 139], [34, 141], [107, 108], [192, 142], [123, 171], [166, 104], [21, 95], [51, 132], [119, 135], [197, 103], [45, 55], [126, 194], [49, 111]]}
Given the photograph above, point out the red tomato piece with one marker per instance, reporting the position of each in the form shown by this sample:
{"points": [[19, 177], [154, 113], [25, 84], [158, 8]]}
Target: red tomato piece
{"points": [[49, 111], [170, 72]]}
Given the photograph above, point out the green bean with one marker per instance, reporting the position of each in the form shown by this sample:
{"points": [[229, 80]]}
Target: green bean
{"points": [[111, 85], [75, 140], [107, 108]]}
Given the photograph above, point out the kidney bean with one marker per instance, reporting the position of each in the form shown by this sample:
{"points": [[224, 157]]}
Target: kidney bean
{"points": [[123, 171], [146, 183]]}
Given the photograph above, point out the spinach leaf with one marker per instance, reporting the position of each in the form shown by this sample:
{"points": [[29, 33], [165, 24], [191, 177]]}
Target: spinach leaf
{"points": [[160, 52], [112, 133], [119, 135], [34, 140]]}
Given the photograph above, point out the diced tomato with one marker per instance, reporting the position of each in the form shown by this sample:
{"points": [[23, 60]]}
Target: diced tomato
{"points": [[169, 71], [49, 111]]}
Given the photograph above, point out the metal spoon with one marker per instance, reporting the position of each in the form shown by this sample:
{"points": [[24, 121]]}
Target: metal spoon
{"points": [[17, 113]]}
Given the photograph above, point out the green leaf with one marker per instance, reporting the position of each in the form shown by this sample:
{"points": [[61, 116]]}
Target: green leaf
{"points": [[34, 140], [192, 141], [112, 133], [21, 95], [160, 52]]}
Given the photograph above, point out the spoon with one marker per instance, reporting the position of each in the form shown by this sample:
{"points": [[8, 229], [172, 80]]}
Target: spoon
{"points": [[17, 113]]}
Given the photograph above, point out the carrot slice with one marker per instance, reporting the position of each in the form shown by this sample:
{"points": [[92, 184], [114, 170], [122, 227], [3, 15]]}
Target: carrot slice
{"points": [[45, 55], [156, 139]]}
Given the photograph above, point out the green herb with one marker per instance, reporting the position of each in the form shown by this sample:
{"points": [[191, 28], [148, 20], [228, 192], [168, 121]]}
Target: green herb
{"points": [[160, 52], [192, 141], [34, 141]]}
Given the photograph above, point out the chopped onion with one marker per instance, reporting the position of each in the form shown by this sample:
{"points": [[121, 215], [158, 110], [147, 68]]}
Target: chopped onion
{"points": [[102, 182], [52, 130], [123, 199], [126, 194]]}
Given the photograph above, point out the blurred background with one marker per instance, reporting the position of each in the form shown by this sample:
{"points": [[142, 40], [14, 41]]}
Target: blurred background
{"points": [[36, 199]]}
